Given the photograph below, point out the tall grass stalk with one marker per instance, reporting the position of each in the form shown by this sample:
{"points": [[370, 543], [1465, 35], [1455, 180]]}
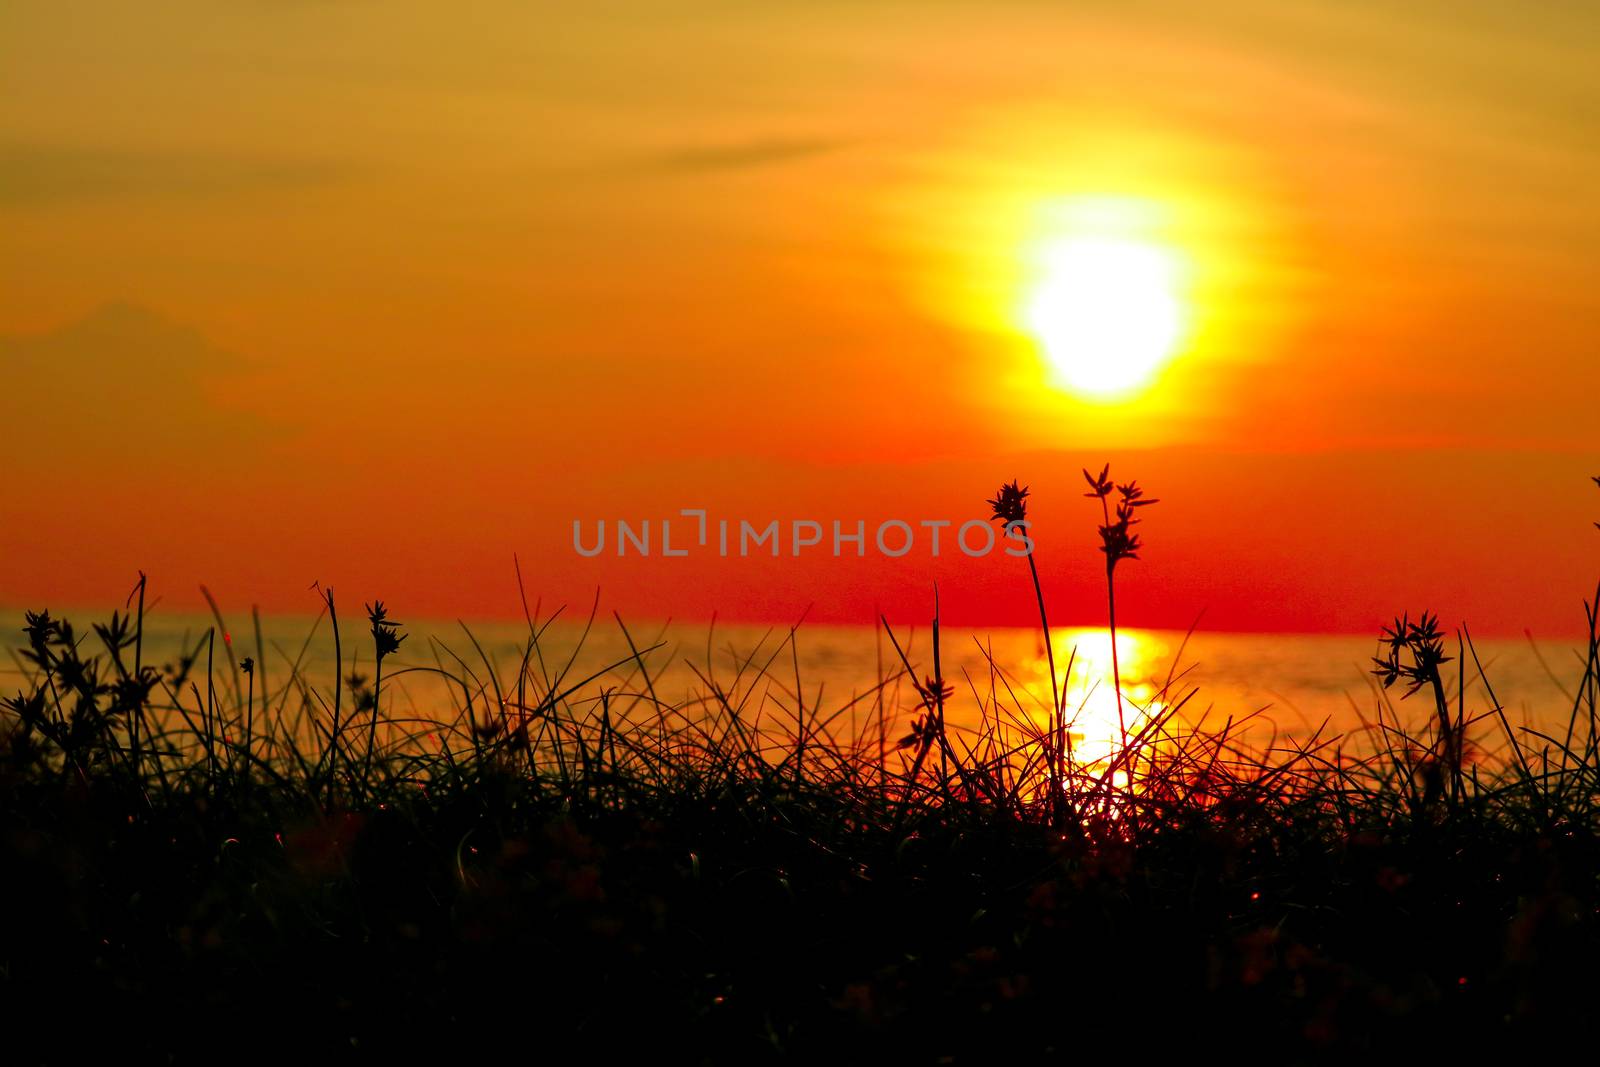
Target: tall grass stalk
{"points": [[1118, 542], [1009, 506]]}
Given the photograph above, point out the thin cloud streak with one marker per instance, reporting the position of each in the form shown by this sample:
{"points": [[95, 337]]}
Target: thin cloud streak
{"points": [[742, 155], [40, 174]]}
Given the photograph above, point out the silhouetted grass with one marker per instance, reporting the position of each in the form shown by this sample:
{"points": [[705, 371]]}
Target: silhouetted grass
{"points": [[212, 856]]}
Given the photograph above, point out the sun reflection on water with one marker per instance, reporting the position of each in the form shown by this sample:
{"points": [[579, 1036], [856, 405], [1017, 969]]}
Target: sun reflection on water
{"points": [[1090, 695]]}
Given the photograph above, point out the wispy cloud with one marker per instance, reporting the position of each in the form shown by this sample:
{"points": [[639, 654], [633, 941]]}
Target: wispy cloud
{"points": [[42, 173], [738, 155], [123, 377]]}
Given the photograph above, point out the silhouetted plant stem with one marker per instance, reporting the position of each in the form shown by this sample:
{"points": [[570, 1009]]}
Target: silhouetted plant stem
{"points": [[1422, 641], [1111, 622], [209, 709], [1535, 786], [938, 701], [1592, 667], [372, 726], [1447, 737], [1057, 711], [249, 666], [257, 663], [1116, 673], [929, 727], [386, 639], [877, 701], [1010, 507], [1111, 627], [1118, 542], [338, 668], [136, 721]]}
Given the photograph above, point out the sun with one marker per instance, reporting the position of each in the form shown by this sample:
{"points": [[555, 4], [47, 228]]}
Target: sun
{"points": [[1107, 309]]}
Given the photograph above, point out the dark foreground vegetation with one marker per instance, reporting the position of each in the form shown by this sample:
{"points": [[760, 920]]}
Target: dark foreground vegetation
{"points": [[211, 859]]}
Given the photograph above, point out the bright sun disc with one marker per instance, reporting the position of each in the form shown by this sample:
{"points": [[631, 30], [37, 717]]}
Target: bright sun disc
{"points": [[1107, 311]]}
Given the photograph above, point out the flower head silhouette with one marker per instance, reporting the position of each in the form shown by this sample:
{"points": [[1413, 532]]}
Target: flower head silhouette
{"points": [[1010, 504], [386, 635]]}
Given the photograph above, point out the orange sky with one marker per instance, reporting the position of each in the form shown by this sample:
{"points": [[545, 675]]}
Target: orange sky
{"points": [[381, 294]]}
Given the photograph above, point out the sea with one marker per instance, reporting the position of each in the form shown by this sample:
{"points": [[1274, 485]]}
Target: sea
{"points": [[859, 681]]}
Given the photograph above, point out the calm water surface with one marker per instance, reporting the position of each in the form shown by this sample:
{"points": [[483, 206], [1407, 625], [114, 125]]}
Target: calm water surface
{"points": [[1287, 685]]}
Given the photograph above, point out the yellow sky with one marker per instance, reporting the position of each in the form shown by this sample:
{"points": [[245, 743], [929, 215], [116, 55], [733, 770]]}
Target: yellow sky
{"points": [[512, 254]]}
